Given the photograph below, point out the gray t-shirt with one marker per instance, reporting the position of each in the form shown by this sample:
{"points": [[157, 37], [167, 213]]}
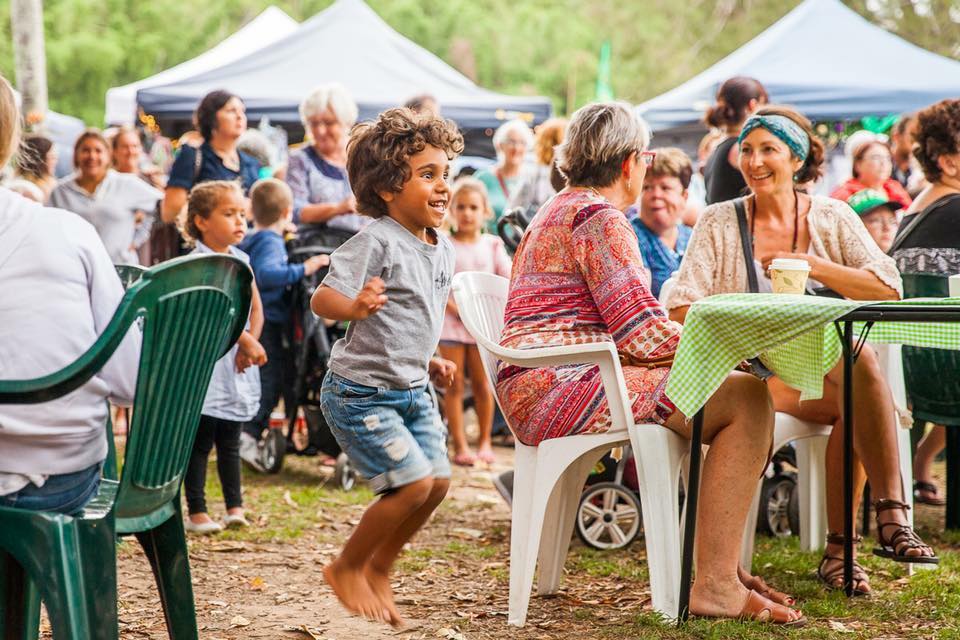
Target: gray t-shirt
{"points": [[393, 347]]}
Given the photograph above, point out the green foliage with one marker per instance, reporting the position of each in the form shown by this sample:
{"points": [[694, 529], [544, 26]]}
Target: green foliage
{"points": [[544, 47]]}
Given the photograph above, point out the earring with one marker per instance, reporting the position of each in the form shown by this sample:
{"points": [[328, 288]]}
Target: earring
{"points": [[628, 184]]}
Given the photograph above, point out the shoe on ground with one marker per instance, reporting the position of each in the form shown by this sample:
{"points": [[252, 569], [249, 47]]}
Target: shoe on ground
{"points": [[202, 528], [250, 451], [504, 485], [235, 521]]}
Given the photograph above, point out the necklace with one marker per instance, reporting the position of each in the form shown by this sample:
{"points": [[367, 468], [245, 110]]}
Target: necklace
{"points": [[796, 222]]}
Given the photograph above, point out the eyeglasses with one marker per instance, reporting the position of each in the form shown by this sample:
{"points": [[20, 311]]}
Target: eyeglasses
{"points": [[877, 158], [881, 223], [512, 142], [647, 157]]}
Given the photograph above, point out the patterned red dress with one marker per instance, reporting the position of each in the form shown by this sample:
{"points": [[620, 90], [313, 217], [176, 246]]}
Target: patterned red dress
{"points": [[577, 278]]}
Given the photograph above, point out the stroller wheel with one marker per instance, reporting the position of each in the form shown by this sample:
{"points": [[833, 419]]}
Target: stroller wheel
{"points": [[774, 517], [272, 450], [608, 516], [343, 473]]}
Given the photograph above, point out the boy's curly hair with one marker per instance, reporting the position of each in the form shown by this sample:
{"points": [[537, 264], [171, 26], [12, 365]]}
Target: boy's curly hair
{"points": [[204, 199], [379, 151]]}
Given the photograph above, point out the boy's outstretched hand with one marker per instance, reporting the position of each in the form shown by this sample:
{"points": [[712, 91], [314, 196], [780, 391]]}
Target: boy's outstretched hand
{"points": [[370, 299], [314, 263], [441, 372]]}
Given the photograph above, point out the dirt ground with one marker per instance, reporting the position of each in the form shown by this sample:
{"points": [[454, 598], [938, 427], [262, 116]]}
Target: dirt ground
{"points": [[454, 573], [452, 581]]}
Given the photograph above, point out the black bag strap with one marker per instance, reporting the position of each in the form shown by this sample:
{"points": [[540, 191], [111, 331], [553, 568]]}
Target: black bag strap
{"points": [[917, 219], [746, 241]]}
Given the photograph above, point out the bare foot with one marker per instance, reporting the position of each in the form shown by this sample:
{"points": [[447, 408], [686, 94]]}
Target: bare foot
{"points": [[380, 586], [354, 592]]}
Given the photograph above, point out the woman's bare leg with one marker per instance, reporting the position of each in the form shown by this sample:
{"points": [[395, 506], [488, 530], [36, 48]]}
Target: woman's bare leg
{"points": [[874, 437], [738, 426], [825, 411]]}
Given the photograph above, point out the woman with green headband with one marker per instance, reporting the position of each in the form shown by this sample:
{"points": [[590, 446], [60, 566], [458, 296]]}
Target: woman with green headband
{"points": [[777, 152]]}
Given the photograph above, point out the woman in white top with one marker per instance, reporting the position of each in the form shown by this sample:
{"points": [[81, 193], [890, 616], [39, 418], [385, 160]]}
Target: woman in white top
{"points": [[61, 291], [120, 206], [777, 151]]}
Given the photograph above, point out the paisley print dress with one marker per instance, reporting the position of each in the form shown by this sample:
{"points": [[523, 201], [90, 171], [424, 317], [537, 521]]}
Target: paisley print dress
{"points": [[578, 278]]}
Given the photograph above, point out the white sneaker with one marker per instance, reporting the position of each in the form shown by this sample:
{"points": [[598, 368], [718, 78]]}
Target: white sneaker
{"points": [[201, 528], [235, 521], [250, 451]]}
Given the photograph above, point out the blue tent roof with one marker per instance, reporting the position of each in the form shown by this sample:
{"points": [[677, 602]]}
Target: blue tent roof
{"points": [[827, 61], [347, 43]]}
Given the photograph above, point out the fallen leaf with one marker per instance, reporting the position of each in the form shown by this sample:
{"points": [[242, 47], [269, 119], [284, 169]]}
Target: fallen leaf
{"points": [[839, 627], [465, 533], [450, 634], [289, 500], [239, 621]]}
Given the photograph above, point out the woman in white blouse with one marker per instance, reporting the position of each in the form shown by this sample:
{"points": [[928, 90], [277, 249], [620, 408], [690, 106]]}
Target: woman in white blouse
{"points": [[120, 206], [777, 151]]}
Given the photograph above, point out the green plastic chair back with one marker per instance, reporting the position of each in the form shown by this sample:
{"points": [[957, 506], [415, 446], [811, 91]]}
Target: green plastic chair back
{"points": [[129, 273], [192, 309], [184, 303], [932, 376]]}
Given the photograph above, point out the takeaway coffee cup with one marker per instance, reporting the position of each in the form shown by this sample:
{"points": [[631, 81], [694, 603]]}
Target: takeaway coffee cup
{"points": [[789, 275]]}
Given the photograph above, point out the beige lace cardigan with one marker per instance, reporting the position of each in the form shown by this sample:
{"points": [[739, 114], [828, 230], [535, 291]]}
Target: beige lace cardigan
{"points": [[714, 259]]}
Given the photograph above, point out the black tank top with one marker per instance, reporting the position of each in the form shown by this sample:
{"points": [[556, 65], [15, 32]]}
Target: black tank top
{"points": [[723, 181]]}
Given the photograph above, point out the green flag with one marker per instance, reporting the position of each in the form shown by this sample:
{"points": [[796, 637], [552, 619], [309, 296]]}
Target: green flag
{"points": [[604, 89]]}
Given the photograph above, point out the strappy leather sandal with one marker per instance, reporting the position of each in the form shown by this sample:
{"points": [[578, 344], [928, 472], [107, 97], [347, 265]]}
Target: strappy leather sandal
{"points": [[933, 494], [903, 538], [830, 578]]}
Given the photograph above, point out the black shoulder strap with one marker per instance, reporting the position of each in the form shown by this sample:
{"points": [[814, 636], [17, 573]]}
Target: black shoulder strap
{"points": [[747, 243], [917, 219]]}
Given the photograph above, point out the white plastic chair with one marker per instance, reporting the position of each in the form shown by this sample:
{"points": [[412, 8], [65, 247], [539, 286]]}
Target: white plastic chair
{"points": [[549, 478], [810, 442]]}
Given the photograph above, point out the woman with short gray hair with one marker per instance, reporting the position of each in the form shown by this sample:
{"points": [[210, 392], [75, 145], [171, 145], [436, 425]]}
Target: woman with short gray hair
{"points": [[511, 141], [578, 278], [317, 172]]}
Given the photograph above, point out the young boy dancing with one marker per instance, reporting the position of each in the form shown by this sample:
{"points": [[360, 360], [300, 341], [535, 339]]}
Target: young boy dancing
{"points": [[391, 281]]}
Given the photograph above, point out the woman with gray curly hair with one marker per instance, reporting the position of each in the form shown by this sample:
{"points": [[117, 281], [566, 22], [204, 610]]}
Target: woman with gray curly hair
{"points": [[577, 278], [317, 173]]}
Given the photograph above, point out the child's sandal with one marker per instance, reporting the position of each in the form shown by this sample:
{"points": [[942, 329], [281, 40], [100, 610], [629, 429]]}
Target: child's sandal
{"points": [[902, 539]]}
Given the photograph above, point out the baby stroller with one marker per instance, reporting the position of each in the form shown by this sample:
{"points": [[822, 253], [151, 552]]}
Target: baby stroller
{"points": [[312, 339]]}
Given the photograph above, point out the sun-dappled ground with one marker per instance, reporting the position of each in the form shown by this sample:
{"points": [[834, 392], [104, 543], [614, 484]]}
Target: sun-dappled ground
{"points": [[265, 582]]}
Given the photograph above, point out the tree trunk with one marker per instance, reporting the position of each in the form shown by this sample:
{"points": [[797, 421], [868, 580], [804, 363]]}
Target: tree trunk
{"points": [[30, 60]]}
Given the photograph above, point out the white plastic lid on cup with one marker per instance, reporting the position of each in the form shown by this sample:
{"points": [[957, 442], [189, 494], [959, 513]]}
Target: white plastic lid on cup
{"points": [[790, 264]]}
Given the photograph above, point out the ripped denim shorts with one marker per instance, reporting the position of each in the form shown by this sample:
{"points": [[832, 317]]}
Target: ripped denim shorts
{"points": [[393, 437]]}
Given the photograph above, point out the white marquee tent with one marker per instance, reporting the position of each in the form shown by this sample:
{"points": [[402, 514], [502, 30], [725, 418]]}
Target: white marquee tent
{"points": [[267, 28]]}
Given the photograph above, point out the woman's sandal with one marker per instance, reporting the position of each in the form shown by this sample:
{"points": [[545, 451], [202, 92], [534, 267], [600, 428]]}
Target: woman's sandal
{"points": [[830, 578], [932, 496], [756, 583], [903, 539], [762, 609]]}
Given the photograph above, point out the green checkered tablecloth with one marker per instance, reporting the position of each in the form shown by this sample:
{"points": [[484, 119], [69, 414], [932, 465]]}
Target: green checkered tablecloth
{"points": [[793, 335]]}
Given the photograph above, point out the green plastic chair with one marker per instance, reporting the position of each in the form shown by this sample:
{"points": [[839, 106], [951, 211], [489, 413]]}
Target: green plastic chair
{"points": [[129, 273], [932, 377], [194, 308]]}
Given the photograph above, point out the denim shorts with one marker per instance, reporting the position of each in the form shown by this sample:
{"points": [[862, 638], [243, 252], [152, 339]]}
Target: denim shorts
{"points": [[66, 493], [393, 437]]}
